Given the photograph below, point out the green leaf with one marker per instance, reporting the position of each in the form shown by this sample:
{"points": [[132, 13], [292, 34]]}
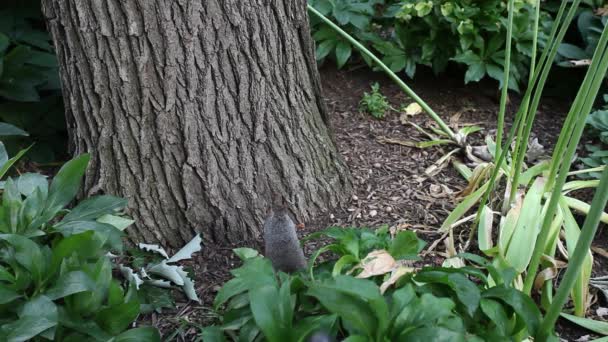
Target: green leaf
{"points": [[572, 51], [343, 52], [27, 253], [245, 253], [8, 295], [466, 291], [4, 43], [405, 244], [467, 203], [324, 48], [475, 72], [590, 324], [8, 163], [36, 316], [10, 130], [266, 312], [212, 334], [118, 222], [148, 334], [107, 234], [70, 283], [522, 304], [497, 315], [117, 318], [27, 183], [66, 183], [94, 207]]}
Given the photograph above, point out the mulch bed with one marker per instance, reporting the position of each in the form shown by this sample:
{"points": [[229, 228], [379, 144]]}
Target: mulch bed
{"points": [[390, 184]]}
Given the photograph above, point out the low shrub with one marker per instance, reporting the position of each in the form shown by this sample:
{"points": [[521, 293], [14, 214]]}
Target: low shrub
{"points": [[381, 298], [56, 267], [432, 33], [30, 94]]}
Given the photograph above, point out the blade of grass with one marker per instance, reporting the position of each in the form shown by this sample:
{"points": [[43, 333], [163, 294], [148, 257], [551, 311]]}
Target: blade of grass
{"points": [[505, 83], [577, 258], [588, 99]]}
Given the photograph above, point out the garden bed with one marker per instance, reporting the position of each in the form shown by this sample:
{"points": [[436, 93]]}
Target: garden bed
{"points": [[390, 184]]}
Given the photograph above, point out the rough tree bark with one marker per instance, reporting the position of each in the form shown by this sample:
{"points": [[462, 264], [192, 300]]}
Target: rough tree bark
{"points": [[197, 111]]}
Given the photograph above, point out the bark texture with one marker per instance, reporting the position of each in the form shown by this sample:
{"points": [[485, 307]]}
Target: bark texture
{"points": [[197, 111]]}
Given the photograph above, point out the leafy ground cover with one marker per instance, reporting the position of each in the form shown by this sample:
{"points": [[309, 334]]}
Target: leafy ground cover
{"points": [[391, 185]]}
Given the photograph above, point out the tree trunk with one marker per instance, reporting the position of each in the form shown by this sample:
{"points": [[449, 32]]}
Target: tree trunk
{"points": [[197, 111]]}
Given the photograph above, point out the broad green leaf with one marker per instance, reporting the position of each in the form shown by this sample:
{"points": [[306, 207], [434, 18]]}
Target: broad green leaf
{"points": [[212, 334], [582, 207], [324, 48], [27, 184], [147, 334], [66, 183], [70, 283], [94, 207], [356, 313], [28, 254], [599, 327], [497, 314], [266, 312], [343, 52], [117, 318], [572, 51], [8, 163], [406, 244], [86, 327], [475, 72], [524, 235], [245, 253], [107, 234], [10, 130], [120, 223], [522, 304], [36, 316], [8, 295], [466, 291], [230, 289]]}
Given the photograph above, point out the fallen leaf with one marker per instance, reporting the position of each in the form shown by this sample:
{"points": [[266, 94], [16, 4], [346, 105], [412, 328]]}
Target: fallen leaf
{"points": [[600, 251], [395, 275], [413, 109], [544, 275], [376, 263]]}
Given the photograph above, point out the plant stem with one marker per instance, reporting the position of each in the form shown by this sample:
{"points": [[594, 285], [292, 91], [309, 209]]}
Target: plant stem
{"points": [[578, 257], [595, 76], [444, 127], [505, 84], [530, 115]]}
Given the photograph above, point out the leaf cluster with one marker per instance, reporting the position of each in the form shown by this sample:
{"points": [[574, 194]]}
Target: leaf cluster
{"points": [[432, 304], [56, 279]]}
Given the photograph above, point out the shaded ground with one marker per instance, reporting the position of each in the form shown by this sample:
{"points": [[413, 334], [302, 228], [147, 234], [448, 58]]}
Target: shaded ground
{"points": [[390, 183]]}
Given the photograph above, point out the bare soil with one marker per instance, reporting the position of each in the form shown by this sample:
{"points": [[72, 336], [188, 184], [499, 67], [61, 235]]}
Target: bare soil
{"points": [[390, 183]]}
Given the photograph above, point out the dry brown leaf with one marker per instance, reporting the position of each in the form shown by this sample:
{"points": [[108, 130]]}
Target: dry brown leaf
{"points": [[544, 275], [376, 263], [600, 251], [395, 275], [384, 140]]}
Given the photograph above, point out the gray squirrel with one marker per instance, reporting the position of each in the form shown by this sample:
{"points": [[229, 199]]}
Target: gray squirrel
{"points": [[281, 242]]}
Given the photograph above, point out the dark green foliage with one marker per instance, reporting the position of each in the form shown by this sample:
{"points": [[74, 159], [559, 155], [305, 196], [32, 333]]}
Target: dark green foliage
{"points": [[30, 94], [56, 279], [433, 33], [434, 304], [597, 129], [374, 102]]}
